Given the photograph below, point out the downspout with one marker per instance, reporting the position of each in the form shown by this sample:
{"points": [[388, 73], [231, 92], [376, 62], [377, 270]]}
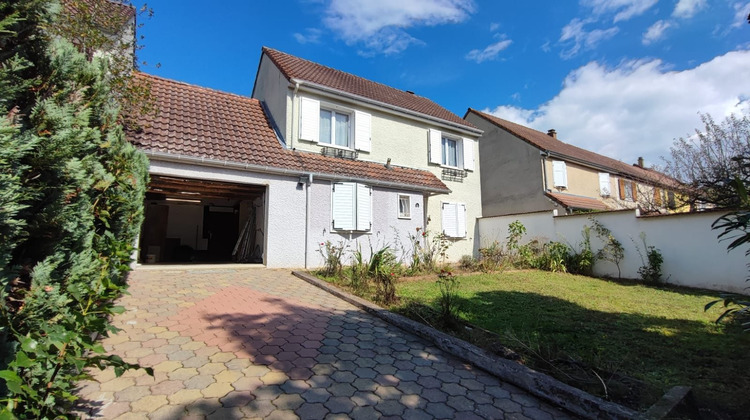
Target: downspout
{"points": [[545, 155], [308, 184], [294, 124]]}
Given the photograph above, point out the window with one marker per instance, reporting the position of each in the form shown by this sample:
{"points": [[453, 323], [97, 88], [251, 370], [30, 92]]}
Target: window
{"points": [[351, 206], [628, 190], [334, 125], [450, 152], [404, 207], [604, 186], [334, 128], [456, 152], [560, 174], [454, 220]]}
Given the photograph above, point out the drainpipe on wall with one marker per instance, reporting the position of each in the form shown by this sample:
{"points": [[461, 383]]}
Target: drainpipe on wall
{"points": [[308, 184], [544, 155], [294, 101]]}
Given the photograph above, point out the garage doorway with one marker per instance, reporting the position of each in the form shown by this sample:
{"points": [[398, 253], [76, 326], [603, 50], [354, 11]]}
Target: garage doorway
{"points": [[199, 221]]}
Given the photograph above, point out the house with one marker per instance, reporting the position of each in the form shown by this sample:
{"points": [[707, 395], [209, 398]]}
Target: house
{"points": [[525, 171], [316, 155]]}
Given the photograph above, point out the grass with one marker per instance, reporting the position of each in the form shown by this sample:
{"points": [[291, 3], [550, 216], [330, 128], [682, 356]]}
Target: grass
{"points": [[659, 336]]}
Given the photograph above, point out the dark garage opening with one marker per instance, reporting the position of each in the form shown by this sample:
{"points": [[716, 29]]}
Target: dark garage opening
{"points": [[198, 221]]}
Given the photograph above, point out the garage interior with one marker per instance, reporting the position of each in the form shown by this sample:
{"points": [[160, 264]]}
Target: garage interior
{"points": [[199, 221]]}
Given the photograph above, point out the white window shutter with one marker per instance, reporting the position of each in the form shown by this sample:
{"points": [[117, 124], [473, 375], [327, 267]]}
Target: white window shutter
{"points": [[468, 153], [450, 220], [436, 146], [604, 186], [342, 206], [560, 174], [364, 207], [362, 134], [309, 119], [460, 220]]}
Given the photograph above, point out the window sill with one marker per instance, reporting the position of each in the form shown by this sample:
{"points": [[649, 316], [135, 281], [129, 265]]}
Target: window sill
{"points": [[404, 217]]}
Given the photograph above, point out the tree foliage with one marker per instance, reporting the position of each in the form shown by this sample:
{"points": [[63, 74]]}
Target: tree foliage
{"points": [[71, 194], [708, 162]]}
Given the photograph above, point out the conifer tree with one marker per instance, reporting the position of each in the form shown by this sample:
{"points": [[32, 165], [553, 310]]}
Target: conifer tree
{"points": [[71, 196]]}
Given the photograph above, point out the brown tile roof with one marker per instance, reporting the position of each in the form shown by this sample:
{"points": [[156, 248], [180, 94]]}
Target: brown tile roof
{"points": [[545, 142], [205, 123], [578, 202], [297, 68]]}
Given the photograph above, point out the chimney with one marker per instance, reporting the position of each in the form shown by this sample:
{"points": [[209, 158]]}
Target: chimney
{"points": [[552, 133], [640, 162]]}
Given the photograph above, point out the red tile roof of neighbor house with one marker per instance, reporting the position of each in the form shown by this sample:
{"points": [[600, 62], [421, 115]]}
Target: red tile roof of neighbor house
{"points": [[546, 142], [578, 202], [297, 68], [205, 123]]}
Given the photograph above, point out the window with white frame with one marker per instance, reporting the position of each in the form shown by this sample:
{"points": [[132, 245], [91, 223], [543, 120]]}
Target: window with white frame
{"points": [[454, 220], [559, 174], [450, 150], [604, 186], [335, 128], [404, 207], [351, 206], [330, 124], [451, 155]]}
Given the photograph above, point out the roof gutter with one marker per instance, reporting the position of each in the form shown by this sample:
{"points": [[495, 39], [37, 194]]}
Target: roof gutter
{"points": [[331, 92], [171, 157]]}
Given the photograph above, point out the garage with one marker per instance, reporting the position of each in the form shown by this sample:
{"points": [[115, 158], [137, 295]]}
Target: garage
{"points": [[200, 221]]}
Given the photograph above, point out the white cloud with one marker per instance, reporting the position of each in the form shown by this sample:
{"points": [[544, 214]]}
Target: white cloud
{"points": [[741, 12], [623, 9], [490, 52], [380, 25], [578, 38], [494, 26], [310, 36], [656, 32], [638, 108], [686, 9]]}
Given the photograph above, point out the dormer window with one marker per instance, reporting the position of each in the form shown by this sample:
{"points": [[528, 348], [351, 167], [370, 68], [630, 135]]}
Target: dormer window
{"points": [[335, 128]]}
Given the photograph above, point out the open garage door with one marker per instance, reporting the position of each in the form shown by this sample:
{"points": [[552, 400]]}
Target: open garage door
{"points": [[199, 221]]}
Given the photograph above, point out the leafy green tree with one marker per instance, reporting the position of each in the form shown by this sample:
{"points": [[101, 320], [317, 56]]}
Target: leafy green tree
{"points": [[71, 196]]}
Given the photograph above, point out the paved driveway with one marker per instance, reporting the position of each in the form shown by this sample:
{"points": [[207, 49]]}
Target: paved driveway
{"points": [[259, 343]]}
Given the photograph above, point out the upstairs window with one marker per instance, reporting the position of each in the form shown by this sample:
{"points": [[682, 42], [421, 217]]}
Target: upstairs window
{"points": [[335, 128], [329, 124], [628, 190], [351, 206], [560, 174], [456, 152], [604, 186]]}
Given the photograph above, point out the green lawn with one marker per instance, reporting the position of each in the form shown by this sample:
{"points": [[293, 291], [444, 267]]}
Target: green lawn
{"points": [[659, 336]]}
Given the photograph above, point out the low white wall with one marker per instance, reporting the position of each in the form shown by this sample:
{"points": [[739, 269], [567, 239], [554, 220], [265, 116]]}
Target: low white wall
{"points": [[693, 256]]}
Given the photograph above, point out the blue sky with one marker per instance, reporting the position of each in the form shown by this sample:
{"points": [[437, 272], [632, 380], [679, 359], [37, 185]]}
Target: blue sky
{"points": [[618, 77]]}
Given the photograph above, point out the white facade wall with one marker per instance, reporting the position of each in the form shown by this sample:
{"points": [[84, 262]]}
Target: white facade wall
{"points": [[693, 256]]}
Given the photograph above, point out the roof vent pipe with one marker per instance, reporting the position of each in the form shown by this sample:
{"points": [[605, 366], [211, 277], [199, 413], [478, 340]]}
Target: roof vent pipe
{"points": [[552, 133]]}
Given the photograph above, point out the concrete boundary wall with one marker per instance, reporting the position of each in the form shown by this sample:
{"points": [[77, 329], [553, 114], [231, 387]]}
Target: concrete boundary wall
{"points": [[693, 256]]}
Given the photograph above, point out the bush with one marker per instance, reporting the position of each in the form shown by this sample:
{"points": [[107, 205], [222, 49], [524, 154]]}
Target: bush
{"points": [[332, 258], [582, 262], [448, 284], [652, 261], [383, 269], [69, 216], [491, 257], [468, 263], [426, 250]]}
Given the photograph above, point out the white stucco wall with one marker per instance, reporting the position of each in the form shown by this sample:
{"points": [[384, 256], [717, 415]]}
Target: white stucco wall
{"points": [[285, 227], [387, 228], [692, 254], [272, 89]]}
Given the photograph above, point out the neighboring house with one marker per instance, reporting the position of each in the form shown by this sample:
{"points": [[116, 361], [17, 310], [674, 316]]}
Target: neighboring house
{"points": [[525, 170], [306, 162]]}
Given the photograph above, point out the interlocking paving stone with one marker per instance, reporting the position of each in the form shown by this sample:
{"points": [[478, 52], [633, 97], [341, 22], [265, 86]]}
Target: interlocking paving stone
{"points": [[257, 343]]}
